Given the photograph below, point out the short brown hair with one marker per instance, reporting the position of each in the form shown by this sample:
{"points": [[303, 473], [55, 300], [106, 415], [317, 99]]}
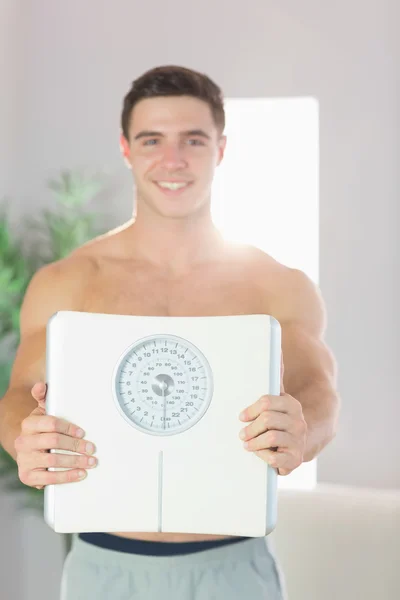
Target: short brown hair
{"points": [[172, 80]]}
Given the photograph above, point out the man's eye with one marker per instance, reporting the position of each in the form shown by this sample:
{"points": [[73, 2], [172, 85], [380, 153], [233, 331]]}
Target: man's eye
{"points": [[196, 142], [150, 142]]}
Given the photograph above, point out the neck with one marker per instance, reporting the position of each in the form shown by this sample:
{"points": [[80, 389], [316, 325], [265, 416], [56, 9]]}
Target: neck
{"points": [[174, 244]]}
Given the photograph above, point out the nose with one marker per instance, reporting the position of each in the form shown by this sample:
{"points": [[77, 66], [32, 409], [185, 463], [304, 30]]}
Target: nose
{"points": [[173, 157]]}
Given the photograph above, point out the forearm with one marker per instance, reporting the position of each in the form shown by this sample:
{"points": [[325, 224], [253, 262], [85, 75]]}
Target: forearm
{"points": [[15, 406], [320, 403]]}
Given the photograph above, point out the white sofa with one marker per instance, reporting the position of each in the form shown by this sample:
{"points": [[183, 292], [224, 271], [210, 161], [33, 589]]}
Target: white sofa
{"points": [[339, 543], [333, 543]]}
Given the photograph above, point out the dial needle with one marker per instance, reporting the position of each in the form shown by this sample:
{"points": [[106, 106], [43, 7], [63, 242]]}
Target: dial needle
{"points": [[165, 404]]}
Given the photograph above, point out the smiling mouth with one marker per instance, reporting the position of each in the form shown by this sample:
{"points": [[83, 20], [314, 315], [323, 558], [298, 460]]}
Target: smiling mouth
{"points": [[173, 187]]}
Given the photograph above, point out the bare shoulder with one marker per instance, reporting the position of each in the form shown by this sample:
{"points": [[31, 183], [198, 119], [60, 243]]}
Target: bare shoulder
{"points": [[65, 283], [57, 286], [292, 295], [60, 285], [66, 272], [79, 265]]}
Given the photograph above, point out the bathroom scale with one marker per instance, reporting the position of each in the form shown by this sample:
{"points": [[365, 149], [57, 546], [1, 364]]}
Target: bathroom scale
{"points": [[160, 398]]}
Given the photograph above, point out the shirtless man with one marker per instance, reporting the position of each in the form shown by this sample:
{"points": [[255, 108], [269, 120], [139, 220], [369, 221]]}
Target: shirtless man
{"points": [[170, 260]]}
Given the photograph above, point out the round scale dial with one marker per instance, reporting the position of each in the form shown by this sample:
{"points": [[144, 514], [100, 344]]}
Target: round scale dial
{"points": [[163, 384]]}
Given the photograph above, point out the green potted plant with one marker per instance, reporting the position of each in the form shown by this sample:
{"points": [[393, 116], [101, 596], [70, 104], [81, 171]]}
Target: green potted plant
{"points": [[62, 229]]}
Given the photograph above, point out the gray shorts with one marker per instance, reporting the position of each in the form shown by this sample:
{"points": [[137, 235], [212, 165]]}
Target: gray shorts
{"points": [[245, 570]]}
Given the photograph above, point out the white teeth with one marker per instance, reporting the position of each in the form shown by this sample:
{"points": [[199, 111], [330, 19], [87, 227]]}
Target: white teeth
{"points": [[172, 185]]}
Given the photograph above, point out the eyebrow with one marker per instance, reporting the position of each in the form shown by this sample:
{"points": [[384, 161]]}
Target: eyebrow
{"points": [[195, 132]]}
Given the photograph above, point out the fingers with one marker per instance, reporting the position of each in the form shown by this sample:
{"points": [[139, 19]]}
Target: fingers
{"points": [[42, 423], [32, 466], [41, 478], [41, 433], [284, 461], [270, 439], [284, 403], [53, 441], [264, 403], [268, 420], [48, 460]]}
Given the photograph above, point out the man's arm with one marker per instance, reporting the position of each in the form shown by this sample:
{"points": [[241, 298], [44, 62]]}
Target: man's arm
{"points": [[55, 287], [310, 370]]}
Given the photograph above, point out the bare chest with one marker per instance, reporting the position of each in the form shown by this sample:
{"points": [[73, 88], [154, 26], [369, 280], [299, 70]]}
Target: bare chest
{"points": [[205, 293]]}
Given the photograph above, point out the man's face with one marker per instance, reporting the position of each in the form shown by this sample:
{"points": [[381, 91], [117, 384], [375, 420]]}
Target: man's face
{"points": [[174, 147]]}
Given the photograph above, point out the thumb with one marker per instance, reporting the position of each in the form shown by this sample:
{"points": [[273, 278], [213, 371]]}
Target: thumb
{"points": [[39, 393]]}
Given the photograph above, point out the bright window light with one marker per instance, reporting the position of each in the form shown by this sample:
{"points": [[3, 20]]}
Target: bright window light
{"points": [[265, 192]]}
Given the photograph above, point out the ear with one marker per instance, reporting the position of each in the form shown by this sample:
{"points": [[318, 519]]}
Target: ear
{"points": [[125, 149], [221, 149]]}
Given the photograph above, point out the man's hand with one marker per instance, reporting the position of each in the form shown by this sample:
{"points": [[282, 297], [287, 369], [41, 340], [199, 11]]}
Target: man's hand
{"points": [[41, 433], [278, 431]]}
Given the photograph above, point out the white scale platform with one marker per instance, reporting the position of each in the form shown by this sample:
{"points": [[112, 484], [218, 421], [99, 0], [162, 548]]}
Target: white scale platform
{"points": [[160, 398]]}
